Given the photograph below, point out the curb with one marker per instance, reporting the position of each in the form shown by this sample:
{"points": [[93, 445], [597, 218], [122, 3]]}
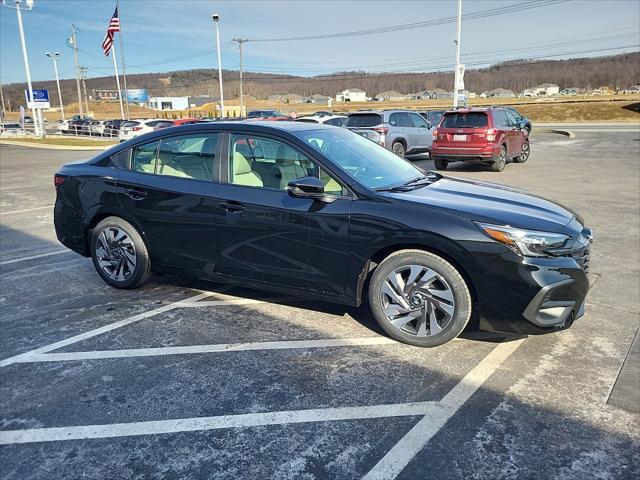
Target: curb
{"points": [[567, 133], [53, 147]]}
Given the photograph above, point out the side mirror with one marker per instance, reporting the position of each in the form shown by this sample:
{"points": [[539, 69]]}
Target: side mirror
{"points": [[429, 124], [307, 187]]}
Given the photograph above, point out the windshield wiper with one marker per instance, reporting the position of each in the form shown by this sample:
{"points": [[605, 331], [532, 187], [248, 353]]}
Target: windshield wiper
{"points": [[413, 183]]}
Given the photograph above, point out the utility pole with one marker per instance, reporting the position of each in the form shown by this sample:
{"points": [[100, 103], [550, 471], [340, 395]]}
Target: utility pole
{"points": [[54, 56], [241, 43], [83, 76], [216, 20], [457, 78], [73, 43], [4, 111]]}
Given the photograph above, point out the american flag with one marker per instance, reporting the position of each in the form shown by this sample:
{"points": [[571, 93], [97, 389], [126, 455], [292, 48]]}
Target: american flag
{"points": [[114, 26]]}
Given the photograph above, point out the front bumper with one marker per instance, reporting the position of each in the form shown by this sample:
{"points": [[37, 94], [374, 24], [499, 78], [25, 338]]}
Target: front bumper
{"points": [[535, 295]]}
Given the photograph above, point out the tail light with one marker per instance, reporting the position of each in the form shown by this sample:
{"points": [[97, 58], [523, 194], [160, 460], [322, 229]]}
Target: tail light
{"points": [[136, 129], [381, 130], [491, 135], [434, 134], [58, 180]]}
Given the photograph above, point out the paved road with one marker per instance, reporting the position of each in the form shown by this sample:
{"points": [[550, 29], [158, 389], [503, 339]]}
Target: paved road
{"points": [[182, 379]]}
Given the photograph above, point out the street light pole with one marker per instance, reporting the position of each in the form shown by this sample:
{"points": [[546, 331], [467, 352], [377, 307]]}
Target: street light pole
{"points": [[36, 125], [73, 43], [216, 20], [54, 56], [241, 43], [457, 72]]}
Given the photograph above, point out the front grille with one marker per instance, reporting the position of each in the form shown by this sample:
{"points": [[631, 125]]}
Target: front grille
{"points": [[582, 258]]}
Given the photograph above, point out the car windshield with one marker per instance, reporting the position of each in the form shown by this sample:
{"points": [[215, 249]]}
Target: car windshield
{"points": [[366, 161], [465, 120], [130, 124]]}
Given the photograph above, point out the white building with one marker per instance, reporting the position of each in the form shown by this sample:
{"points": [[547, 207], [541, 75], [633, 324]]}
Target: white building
{"points": [[179, 103], [545, 89], [391, 96], [352, 95]]}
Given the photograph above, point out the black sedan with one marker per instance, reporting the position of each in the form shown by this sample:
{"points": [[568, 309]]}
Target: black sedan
{"points": [[323, 212]]}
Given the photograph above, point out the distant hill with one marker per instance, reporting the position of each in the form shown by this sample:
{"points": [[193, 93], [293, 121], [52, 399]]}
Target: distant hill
{"points": [[615, 71]]}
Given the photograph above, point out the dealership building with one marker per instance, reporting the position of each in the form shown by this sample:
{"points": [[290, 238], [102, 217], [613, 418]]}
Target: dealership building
{"points": [[179, 103]]}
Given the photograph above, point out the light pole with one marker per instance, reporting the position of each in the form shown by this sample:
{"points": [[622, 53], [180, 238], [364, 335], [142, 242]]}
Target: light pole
{"points": [[54, 56], [36, 125], [216, 20], [241, 42], [457, 78]]}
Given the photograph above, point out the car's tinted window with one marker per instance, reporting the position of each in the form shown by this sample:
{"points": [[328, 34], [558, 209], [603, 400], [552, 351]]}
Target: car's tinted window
{"points": [[511, 119], [363, 120], [187, 156], [435, 116], [417, 120], [465, 120], [130, 124], [264, 162], [400, 119], [515, 113], [120, 159], [143, 157], [338, 122], [307, 120]]}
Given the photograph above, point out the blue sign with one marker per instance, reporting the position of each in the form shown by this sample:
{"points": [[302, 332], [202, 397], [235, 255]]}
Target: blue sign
{"points": [[40, 98], [137, 95]]}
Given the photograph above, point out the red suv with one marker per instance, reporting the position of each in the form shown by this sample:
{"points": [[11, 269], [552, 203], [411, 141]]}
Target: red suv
{"points": [[490, 136]]}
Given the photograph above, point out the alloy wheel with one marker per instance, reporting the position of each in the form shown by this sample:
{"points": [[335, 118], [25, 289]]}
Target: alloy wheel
{"points": [[116, 253], [525, 152], [417, 300]]}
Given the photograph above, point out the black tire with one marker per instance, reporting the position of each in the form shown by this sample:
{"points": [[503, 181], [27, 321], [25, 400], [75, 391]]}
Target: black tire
{"points": [[135, 276], [524, 155], [399, 149], [440, 163], [500, 161], [458, 287]]}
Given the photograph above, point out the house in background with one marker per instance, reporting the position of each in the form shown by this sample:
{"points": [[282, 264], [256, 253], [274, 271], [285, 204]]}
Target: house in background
{"points": [[292, 98], [571, 92], [352, 95], [319, 99], [391, 96], [543, 90], [498, 93]]}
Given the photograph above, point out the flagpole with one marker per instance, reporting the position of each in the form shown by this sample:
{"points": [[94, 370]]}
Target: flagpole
{"points": [[124, 68], [115, 67]]}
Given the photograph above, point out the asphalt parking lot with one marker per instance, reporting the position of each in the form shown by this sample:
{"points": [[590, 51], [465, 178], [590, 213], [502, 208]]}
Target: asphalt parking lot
{"points": [[184, 379]]}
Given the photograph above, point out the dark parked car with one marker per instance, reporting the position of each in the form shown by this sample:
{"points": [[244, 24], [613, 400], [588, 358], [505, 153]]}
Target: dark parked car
{"points": [[265, 114], [433, 116], [490, 136], [112, 127], [323, 212], [521, 119]]}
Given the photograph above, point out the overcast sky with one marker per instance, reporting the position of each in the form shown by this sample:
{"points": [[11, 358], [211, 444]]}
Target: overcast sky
{"points": [[164, 35]]}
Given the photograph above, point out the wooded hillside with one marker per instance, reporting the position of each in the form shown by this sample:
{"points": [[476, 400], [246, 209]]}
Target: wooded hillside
{"points": [[615, 71]]}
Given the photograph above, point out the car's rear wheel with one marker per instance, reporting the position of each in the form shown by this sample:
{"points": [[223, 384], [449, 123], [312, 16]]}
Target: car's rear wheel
{"points": [[440, 163], [524, 155], [119, 254], [500, 161], [419, 298], [398, 149]]}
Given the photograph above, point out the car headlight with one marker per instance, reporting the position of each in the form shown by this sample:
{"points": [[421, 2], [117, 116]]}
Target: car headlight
{"points": [[529, 243]]}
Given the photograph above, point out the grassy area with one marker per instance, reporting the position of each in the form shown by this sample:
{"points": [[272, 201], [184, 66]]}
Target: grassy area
{"points": [[61, 141]]}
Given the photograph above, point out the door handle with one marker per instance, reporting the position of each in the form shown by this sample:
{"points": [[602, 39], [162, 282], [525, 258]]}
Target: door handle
{"points": [[135, 194], [232, 207]]}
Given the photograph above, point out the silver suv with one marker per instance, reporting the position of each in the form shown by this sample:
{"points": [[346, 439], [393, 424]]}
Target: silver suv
{"points": [[402, 131]]}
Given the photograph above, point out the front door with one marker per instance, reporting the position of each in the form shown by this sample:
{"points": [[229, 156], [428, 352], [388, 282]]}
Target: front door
{"points": [[268, 235], [170, 192]]}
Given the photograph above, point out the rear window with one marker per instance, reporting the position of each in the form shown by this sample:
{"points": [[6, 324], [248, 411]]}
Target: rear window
{"points": [[130, 124], [363, 120], [465, 120]]}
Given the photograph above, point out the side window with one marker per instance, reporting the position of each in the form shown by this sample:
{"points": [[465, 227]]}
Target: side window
{"points": [[404, 120], [120, 159], [511, 119], [337, 122], [499, 119], [393, 119], [418, 121], [188, 156], [264, 162], [143, 157]]}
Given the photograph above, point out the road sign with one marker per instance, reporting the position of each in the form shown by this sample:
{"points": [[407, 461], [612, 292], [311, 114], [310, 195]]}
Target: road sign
{"points": [[40, 99], [460, 78]]}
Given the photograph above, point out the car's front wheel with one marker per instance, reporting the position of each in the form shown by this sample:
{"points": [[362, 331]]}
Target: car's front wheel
{"points": [[419, 298], [524, 154], [119, 254]]}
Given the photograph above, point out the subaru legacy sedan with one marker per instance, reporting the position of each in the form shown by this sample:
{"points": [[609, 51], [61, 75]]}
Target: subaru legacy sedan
{"points": [[325, 213]]}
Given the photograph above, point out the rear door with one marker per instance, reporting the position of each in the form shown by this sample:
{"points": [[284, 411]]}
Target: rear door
{"points": [[464, 129], [170, 192], [420, 131], [517, 134]]}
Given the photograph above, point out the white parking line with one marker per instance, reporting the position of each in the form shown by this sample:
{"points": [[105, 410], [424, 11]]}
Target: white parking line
{"points": [[33, 257], [415, 440], [107, 328], [26, 210], [435, 414], [215, 348]]}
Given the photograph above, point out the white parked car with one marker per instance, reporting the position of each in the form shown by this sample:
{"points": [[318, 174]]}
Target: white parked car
{"points": [[336, 120], [135, 128], [63, 126]]}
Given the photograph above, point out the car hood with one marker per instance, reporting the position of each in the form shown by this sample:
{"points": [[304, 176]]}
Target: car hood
{"points": [[493, 203]]}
